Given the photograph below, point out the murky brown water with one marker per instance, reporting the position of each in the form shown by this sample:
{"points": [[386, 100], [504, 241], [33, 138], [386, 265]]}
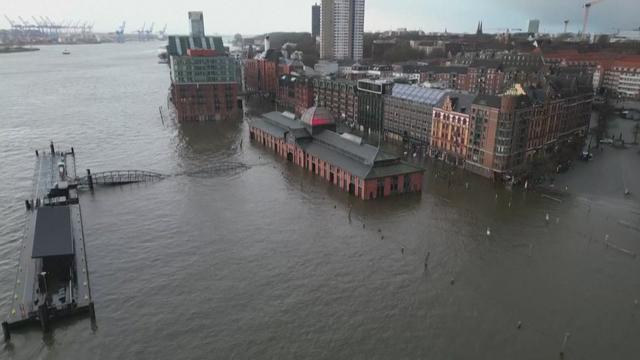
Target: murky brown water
{"points": [[266, 264]]}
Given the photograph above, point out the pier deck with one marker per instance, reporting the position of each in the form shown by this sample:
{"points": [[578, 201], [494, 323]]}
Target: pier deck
{"points": [[24, 307]]}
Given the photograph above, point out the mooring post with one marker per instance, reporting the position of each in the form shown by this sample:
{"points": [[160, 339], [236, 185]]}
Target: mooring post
{"points": [[53, 150], [27, 204], [72, 151], [92, 312], [37, 155], [5, 331], [90, 179], [43, 313]]}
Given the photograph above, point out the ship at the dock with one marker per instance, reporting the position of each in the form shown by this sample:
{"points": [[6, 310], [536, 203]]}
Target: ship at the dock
{"points": [[52, 279]]}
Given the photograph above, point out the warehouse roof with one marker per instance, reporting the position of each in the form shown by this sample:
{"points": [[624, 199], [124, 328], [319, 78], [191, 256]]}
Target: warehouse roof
{"points": [[53, 233], [347, 152]]}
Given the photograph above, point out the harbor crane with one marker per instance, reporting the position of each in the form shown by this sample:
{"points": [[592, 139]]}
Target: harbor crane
{"points": [[587, 9], [141, 31], [11, 22], [120, 32], [26, 24], [149, 32], [161, 33]]}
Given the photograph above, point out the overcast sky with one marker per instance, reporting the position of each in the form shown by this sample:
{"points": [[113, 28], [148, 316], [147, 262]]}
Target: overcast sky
{"points": [[260, 16]]}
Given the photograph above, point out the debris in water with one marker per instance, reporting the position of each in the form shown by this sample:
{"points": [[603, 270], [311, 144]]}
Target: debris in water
{"points": [[551, 198], [426, 260], [488, 231], [466, 185], [453, 281], [381, 237], [557, 220], [630, 226], [379, 230], [564, 343], [363, 225], [509, 204], [402, 251], [628, 252], [519, 325], [496, 196], [546, 217], [636, 302]]}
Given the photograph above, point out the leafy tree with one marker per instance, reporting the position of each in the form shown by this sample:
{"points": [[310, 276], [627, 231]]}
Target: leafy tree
{"points": [[237, 40]]}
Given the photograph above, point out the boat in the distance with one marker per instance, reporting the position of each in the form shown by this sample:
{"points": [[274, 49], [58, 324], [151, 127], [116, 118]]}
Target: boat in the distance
{"points": [[66, 52]]}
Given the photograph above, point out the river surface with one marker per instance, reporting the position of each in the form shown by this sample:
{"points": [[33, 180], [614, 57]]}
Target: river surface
{"points": [[266, 264]]}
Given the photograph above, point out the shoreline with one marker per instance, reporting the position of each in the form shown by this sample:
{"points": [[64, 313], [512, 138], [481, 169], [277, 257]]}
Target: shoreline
{"points": [[12, 50]]}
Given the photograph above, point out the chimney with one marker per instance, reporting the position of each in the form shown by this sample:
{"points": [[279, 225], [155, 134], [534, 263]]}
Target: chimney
{"points": [[267, 43]]}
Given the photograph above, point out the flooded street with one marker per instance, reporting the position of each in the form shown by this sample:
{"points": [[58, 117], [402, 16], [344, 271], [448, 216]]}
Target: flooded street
{"points": [[266, 263]]}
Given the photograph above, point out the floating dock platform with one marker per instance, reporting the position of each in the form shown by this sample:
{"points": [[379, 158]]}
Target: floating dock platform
{"points": [[53, 276]]}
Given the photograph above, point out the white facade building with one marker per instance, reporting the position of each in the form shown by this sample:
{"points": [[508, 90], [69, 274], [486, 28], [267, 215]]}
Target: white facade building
{"points": [[341, 29], [622, 79]]}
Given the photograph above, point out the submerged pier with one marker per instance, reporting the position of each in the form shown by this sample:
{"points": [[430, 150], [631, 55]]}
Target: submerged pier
{"points": [[52, 279]]}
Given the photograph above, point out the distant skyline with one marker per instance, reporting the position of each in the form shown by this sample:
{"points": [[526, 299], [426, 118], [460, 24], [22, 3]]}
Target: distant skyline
{"points": [[260, 16]]}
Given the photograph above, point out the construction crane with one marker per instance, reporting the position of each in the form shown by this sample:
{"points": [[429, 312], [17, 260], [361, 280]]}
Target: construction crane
{"points": [[11, 22], [120, 32], [141, 32], [162, 32], [587, 8], [26, 24], [149, 32]]}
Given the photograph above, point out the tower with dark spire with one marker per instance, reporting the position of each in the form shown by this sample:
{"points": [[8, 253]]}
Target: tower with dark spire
{"points": [[479, 31]]}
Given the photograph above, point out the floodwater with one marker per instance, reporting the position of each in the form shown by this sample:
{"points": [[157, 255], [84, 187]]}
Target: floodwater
{"points": [[266, 264]]}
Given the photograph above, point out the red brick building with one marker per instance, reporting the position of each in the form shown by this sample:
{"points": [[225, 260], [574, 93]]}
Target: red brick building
{"points": [[344, 160], [507, 132], [497, 137], [339, 96], [204, 79], [261, 75], [295, 94]]}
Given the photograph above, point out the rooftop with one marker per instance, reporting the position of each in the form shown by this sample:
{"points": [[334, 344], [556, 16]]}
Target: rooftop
{"points": [[179, 44], [428, 96], [360, 159], [488, 100], [53, 233]]}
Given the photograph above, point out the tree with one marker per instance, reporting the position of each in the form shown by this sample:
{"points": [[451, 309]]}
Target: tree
{"points": [[237, 40]]}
